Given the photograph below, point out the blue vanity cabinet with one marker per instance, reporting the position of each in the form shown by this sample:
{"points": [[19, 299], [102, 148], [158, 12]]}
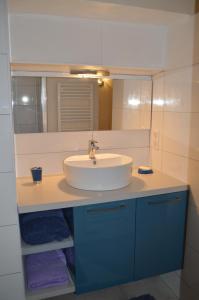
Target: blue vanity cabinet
{"points": [[160, 230], [104, 237]]}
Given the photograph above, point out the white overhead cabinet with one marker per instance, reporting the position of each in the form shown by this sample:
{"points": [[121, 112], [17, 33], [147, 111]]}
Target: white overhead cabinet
{"points": [[62, 40], [130, 45], [47, 39]]}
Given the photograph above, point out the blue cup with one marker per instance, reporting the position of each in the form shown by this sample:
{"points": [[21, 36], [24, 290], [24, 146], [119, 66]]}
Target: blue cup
{"points": [[36, 174]]}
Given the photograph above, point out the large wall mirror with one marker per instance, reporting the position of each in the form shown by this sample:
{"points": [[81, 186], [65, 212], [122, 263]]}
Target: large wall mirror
{"points": [[52, 104]]}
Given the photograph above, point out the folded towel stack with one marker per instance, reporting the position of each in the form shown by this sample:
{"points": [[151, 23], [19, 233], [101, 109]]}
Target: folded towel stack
{"points": [[70, 258], [46, 269], [44, 227]]}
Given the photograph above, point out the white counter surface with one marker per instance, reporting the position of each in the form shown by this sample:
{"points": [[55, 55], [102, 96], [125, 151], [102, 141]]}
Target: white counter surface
{"points": [[54, 192]]}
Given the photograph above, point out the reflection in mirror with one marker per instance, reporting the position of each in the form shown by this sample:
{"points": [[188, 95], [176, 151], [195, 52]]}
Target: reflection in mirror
{"points": [[51, 104]]}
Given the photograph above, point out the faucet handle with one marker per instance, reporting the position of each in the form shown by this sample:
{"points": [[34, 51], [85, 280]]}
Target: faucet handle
{"points": [[92, 142]]}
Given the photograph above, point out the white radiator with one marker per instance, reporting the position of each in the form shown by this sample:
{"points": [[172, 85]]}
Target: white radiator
{"points": [[75, 106]]}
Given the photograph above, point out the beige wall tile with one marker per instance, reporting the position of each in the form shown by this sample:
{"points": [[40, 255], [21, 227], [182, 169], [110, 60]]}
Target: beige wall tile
{"points": [[158, 92], [195, 89], [175, 165], [176, 133], [156, 159], [194, 136], [178, 89], [193, 171]]}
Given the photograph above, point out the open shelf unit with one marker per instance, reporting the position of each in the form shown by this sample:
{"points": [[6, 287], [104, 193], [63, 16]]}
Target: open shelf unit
{"points": [[55, 245], [52, 291]]}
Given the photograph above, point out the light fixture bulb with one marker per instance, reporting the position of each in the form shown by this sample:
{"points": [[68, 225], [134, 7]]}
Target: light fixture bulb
{"points": [[25, 99], [100, 82]]}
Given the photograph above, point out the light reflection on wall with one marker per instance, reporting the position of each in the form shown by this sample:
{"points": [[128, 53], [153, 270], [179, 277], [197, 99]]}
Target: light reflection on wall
{"points": [[158, 102], [134, 101]]}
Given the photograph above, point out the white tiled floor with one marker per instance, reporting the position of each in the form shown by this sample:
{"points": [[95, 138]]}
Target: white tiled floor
{"points": [[165, 287]]}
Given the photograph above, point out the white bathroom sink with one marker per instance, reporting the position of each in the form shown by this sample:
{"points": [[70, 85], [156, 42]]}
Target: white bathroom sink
{"points": [[111, 171]]}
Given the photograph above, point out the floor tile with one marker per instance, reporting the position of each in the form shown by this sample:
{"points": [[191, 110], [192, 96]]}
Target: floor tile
{"points": [[153, 286], [172, 280]]}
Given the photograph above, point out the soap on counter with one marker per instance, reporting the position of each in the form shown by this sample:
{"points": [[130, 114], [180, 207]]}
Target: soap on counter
{"points": [[145, 170]]}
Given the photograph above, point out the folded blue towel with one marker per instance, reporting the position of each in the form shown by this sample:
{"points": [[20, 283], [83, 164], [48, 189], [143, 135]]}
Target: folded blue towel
{"points": [[46, 269], [144, 297], [43, 227]]}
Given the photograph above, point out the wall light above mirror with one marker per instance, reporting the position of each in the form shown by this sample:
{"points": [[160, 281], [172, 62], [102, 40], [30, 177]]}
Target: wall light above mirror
{"points": [[80, 100]]}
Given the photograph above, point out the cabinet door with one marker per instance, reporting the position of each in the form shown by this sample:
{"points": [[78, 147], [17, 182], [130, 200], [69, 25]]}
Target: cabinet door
{"points": [[104, 244], [75, 41], [129, 45], [160, 228]]}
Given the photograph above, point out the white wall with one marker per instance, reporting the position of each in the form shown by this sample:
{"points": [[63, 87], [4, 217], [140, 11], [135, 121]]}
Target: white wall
{"points": [[131, 106], [176, 118], [48, 150], [62, 40], [172, 92], [11, 279]]}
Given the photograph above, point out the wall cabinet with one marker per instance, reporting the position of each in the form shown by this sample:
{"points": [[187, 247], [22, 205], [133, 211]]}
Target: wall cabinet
{"points": [[62, 40], [104, 244], [55, 40], [128, 240], [130, 45]]}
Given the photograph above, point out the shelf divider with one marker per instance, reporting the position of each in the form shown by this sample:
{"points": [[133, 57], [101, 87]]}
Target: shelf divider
{"points": [[55, 245]]}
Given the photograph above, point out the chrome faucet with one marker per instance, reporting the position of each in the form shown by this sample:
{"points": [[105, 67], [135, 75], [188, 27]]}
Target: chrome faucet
{"points": [[92, 150]]}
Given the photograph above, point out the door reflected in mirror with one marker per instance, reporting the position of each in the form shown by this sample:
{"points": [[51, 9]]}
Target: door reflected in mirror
{"points": [[52, 104]]}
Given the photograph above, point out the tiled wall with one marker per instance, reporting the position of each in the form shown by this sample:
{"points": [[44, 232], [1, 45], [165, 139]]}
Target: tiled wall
{"points": [[11, 278], [131, 103], [48, 150], [176, 121], [170, 122]]}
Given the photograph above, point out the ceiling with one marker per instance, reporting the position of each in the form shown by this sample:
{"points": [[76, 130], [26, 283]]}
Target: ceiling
{"points": [[109, 10]]}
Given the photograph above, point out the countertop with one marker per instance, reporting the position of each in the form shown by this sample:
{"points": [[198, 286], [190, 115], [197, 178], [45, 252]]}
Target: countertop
{"points": [[54, 192]]}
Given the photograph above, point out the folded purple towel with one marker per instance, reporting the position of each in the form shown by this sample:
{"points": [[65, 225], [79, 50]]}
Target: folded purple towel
{"points": [[46, 269]]}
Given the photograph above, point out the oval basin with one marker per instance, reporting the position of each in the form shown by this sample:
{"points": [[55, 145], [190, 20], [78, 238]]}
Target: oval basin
{"points": [[111, 171]]}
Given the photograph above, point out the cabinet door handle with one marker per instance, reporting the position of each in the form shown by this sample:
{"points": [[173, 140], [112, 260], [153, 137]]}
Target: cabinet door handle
{"points": [[105, 209], [170, 201]]}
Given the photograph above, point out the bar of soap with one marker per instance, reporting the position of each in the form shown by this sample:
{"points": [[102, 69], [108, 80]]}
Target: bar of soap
{"points": [[145, 170]]}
